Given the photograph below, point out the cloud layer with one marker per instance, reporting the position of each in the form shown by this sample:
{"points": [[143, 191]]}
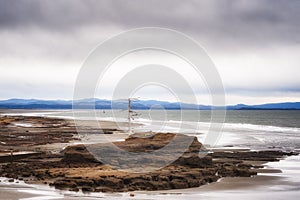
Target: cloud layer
{"points": [[254, 44]]}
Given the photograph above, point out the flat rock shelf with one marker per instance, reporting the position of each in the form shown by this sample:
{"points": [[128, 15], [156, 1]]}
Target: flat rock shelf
{"points": [[74, 168]]}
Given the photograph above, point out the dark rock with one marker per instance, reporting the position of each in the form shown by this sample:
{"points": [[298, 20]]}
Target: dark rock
{"points": [[64, 184], [179, 184], [87, 189], [103, 189], [78, 154]]}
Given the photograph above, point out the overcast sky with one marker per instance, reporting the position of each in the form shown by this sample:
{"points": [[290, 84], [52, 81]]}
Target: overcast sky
{"points": [[255, 44]]}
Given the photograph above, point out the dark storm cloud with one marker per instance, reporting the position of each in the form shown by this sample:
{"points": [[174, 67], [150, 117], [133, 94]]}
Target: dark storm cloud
{"points": [[243, 20]]}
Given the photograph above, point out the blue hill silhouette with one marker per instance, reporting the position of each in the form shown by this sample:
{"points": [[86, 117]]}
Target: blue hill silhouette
{"points": [[140, 104]]}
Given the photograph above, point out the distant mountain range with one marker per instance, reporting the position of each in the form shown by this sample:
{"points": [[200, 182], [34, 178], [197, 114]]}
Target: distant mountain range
{"points": [[139, 104]]}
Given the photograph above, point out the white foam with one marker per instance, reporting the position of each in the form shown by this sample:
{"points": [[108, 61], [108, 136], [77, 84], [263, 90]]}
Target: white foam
{"points": [[23, 124], [262, 127]]}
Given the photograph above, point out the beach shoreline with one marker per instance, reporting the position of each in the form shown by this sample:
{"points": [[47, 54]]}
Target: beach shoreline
{"points": [[225, 188], [229, 184]]}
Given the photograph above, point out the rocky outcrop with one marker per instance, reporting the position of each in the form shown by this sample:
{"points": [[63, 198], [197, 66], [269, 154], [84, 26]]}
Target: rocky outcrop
{"points": [[189, 170], [78, 154], [269, 156], [76, 168], [143, 148]]}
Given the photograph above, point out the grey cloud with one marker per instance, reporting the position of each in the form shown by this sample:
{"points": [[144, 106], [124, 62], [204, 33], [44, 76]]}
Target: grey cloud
{"points": [[242, 20], [49, 34]]}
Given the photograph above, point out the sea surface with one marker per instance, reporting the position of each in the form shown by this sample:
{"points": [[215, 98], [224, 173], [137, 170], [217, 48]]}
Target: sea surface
{"points": [[255, 129], [279, 118]]}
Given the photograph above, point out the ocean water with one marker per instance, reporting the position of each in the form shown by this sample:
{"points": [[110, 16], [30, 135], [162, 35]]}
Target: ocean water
{"points": [[255, 129], [279, 118]]}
